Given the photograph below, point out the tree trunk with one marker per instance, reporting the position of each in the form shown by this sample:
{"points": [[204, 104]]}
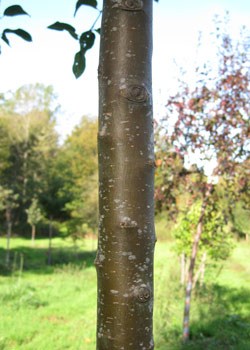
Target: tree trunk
{"points": [[203, 267], [25, 155], [33, 234], [126, 238], [50, 240], [25, 178], [201, 271], [183, 268], [7, 257], [187, 263], [185, 333], [196, 277]]}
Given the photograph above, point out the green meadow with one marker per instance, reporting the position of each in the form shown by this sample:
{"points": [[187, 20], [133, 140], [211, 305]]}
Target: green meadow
{"points": [[54, 307]]}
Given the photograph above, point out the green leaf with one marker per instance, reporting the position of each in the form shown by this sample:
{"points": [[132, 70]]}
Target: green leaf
{"points": [[98, 30], [64, 26], [87, 40], [19, 32], [79, 64], [4, 37], [14, 10], [92, 3]]}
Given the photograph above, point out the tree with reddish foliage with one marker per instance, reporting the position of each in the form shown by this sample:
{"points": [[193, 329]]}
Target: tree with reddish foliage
{"points": [[169, 166], [212, 121]]}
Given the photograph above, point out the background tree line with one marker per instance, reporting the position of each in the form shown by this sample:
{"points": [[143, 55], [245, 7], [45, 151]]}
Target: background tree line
{"points": [[43, 181]]}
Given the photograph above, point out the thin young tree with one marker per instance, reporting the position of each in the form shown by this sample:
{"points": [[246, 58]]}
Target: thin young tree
{"points": [[126, 241], [8, 202], [34, 216], [213, 120]]}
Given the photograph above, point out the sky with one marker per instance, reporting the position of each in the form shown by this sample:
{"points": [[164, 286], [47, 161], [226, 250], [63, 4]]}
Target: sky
{"points": [[49, 58]]}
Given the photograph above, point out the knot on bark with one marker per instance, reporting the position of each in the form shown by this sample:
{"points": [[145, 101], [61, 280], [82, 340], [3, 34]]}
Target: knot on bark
{"points": [[131, 5], [128, 223], [136, 93], [143, 294]]}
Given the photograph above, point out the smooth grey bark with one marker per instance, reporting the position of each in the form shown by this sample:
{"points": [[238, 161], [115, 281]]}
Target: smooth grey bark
{"points": [[126, 237]]}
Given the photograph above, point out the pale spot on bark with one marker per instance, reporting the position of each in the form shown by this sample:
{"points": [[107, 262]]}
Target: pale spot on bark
{"points": [[112, 291], [126, 253], [131, 257], [103, 130], [101, 257]]}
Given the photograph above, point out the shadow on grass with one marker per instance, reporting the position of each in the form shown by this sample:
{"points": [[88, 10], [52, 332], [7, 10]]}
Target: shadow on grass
{"points": [[220, 321], [36, 259]]}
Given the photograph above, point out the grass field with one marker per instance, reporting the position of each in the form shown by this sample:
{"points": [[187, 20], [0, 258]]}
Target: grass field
{"points": [[54, 307]]}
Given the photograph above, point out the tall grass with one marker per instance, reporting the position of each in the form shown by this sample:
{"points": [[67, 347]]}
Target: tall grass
{"points": [[54, 307]]}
